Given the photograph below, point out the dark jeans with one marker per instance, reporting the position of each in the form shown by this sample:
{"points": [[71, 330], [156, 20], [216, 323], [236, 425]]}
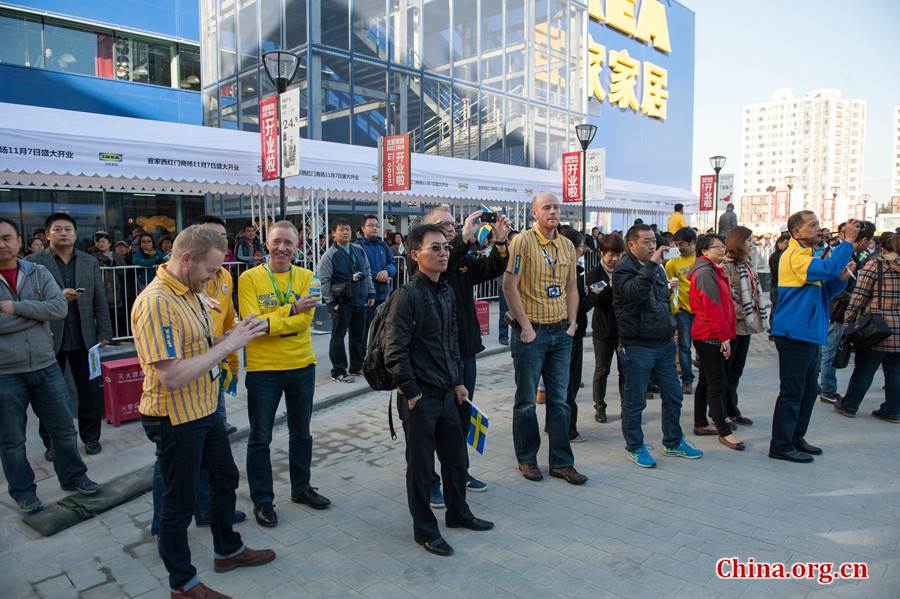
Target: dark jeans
{"points": [[182, 451], [735, 368], [90, 399], [264, 390], [546, 357], [828, 374], [712, 388], [502, 327], [48, 395], [433, 426], [684, 321], [604, 349], [865, 366], [798, 366], [575, 364], [346, 318], [643, 365]]}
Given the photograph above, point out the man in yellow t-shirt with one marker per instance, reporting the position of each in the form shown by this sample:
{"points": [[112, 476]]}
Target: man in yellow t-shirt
{"points": [[677, 268], [283, 361], [180, 358], [677, 220]]}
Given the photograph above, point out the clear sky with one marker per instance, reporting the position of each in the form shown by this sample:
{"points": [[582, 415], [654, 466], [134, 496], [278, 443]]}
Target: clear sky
{"points": [[746, 49]]}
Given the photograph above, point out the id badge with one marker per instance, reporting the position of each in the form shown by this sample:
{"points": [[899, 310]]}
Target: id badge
{"points": [[554, 291], [214, 373]]}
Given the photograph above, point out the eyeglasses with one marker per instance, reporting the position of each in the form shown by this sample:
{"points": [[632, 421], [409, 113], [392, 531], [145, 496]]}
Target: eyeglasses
{"points": [[720, 247], [446, 224], [437, 247]]}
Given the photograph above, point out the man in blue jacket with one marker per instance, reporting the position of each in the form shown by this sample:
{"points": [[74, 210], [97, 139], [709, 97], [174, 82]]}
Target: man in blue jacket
{"points": [[800, 326], [381, 263]]}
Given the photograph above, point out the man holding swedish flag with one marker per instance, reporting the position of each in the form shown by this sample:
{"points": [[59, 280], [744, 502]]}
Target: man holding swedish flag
{"points": [[282, 361], [806, 285]]}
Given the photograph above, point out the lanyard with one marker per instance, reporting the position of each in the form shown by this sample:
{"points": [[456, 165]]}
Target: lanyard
{"points": [[283, 299], [550, 262], [202, 318]]}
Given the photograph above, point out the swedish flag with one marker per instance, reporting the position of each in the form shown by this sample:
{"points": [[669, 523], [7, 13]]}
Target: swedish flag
{"points": [[478, 429], [229, 383]]}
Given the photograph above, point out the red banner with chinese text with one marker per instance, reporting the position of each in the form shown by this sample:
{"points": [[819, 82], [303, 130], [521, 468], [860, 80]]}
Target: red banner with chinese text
{"points": [[268, 133], [782, 206], [395, 175], [571, 174], [828, 211], [707, 192]]}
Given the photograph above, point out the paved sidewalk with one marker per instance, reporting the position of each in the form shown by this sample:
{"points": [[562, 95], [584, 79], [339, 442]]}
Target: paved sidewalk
{"points": [[627, 533]]}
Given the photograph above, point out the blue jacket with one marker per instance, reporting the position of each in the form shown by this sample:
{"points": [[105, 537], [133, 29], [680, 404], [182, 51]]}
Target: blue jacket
{"points": [[380, 258], [805, 287], [337, 266]]}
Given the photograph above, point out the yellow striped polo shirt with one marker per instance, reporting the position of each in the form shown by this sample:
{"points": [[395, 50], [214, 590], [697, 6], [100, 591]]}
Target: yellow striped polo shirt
{"points": [[169, 323], [544, 267]]}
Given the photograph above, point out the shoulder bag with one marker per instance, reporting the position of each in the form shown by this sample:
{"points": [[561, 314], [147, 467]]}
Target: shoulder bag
{"points": [[870, 329]]}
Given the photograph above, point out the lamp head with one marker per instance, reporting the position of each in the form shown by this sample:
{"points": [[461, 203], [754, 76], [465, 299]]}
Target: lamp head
{"points": [[281, 67], [717, 162], [585, 133]]}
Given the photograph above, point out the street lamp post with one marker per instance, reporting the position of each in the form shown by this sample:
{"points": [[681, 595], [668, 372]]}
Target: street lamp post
{"points": [[281, 67], [717, 162], [585, 133]]}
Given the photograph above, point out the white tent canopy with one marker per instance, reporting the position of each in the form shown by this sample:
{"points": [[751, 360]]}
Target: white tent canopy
{"points": [[52, 148]]}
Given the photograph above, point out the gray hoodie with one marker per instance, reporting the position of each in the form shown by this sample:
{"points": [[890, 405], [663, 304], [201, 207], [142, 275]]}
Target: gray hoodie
{"points": [[25, 335]]}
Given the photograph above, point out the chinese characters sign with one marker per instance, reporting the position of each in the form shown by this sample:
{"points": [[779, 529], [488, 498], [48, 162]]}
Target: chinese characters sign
{"points": [[395, 175], [268, 132], [782, 205], [707, 192], [571, 174]]}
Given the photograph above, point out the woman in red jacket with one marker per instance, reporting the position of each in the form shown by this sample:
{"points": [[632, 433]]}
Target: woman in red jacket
{"points": [[712, 332]]}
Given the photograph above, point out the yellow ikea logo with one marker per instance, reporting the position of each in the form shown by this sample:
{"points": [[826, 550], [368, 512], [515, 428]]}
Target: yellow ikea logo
{"points": [[110, 157]]}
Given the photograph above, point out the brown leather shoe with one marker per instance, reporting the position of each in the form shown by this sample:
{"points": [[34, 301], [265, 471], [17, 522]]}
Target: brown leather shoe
{"points": [[687, 389], [738, 445], [199, 591], [540, 396], [246, 559], [571, 476], [531, 472], [705, 430]]}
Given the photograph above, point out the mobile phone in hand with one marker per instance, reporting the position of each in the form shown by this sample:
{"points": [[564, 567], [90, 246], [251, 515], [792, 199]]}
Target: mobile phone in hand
{"points": [[80, 289], [599, 286], [671, 253]]}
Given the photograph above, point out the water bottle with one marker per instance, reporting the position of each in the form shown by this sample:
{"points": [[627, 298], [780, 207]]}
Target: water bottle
{"points": [[315, 286]]}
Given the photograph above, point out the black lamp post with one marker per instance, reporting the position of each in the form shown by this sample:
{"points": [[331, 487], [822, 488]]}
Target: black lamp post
{"points": [[585, 133], [281, 67], [717, 162]]}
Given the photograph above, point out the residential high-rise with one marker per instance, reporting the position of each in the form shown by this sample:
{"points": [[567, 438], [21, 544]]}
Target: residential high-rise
{"points": [[895, 163], [816, 142]]}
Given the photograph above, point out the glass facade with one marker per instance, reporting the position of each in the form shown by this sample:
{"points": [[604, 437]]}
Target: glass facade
{"points": [[495, 80]]}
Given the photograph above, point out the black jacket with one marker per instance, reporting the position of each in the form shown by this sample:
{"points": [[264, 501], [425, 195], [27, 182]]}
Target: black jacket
{"points": [[586, 301], [420, 339], [603, 323], [464, 271], [642, 302]]}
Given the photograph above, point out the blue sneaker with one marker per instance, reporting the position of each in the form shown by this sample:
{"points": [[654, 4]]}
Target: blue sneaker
{"points": [[683, 450], [437, 498], [641, 456], [475, 486]]}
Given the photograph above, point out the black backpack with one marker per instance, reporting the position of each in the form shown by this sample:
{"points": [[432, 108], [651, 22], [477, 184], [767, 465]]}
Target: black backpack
{"points": [[374, 369]]}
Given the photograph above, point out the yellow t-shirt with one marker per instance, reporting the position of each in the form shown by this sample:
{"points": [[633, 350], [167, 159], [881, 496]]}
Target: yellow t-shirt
{"points": [[676, 221], [219, 289], [679, 267], [288, 345]]}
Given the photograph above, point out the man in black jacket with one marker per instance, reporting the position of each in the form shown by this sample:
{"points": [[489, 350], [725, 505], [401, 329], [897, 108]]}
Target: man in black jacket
{"points": [[643, 307], [603, 323], [464, 272], [422, 323]]}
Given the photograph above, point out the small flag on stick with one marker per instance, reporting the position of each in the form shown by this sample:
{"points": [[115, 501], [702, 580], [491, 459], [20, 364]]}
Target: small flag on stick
{"points": [[478, 429]]}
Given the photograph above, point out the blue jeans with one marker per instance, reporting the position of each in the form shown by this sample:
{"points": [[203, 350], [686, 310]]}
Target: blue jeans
{"points": [[684, 321], [642, 365], [264, 390], [48, 394], [502, 327], [181, 452], [865, 366], [828, 377], [547, 357], [798, 367]]}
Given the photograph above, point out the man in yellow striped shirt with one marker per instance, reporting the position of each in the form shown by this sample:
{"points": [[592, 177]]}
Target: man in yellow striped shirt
{"points": [[281, 362], [180, 359], [541, 289]]}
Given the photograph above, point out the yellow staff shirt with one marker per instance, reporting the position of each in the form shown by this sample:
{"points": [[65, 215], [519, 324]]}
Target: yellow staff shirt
{"points": [[220, 289], [288, 345], [678, 268], [545, 267], [169, 323]]}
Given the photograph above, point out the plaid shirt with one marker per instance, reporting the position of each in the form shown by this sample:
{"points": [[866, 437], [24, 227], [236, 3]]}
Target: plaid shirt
{"points": [[888, 305]]}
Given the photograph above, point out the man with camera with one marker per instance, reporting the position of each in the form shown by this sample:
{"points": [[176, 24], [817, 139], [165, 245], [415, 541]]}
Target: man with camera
{"points": [[806, 285], [348, 289]]}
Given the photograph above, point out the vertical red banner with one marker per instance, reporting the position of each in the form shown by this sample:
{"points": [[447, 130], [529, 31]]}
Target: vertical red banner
{"points": [[571, 176], [828, 211], [395, 171], [268, 133], [707, 192], [782, 206]]}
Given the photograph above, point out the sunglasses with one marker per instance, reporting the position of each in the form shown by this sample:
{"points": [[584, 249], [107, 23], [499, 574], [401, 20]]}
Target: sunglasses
{"points": [[437, 247]]}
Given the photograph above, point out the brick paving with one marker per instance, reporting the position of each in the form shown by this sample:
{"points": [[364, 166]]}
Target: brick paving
{"points": [[628, 533]]}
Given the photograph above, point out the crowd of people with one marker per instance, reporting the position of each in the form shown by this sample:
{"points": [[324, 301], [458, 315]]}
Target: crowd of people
{"points": [[664, 303]]}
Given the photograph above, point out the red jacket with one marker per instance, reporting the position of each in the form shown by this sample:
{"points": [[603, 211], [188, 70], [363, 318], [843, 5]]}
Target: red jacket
{"points": [[711, 302]]}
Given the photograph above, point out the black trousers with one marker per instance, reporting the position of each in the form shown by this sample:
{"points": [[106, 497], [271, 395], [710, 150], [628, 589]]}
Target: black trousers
{"points": [[575, 381], [711, 388], [346, 318], [798, 371], [604, 349], [90, 400], [433, 425], [735, 367]]}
